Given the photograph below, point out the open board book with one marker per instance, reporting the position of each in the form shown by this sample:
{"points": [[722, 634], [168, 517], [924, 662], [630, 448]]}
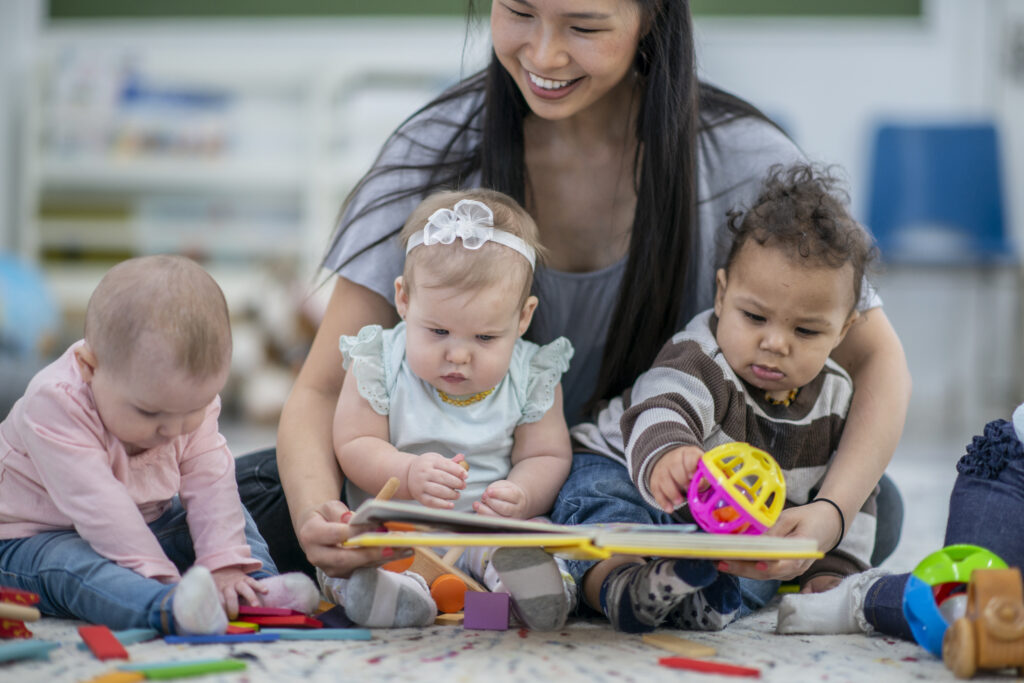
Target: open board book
{"points": [[411, 524]]}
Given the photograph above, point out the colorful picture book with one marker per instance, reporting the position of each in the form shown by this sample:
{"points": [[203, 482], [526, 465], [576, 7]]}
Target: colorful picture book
{"points": [[410, 524]]}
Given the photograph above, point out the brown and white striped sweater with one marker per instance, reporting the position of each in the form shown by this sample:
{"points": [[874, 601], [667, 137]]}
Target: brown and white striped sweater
{"points": [[691, 397]]}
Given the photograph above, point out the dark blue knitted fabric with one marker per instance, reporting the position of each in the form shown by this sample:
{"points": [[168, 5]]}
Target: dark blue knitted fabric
{"points": [[988, 454]]}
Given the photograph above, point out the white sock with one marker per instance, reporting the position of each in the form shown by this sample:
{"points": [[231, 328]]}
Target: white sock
{"points": [[293, 590], [535, 583], [196, 606], [839, 610], [383, 599], [331, 589], [476, 561]]}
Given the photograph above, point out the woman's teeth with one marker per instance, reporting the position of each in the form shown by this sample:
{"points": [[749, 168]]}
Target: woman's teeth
{"points": [[547, 84]]}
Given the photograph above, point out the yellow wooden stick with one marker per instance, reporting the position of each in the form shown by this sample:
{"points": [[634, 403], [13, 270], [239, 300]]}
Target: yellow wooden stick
{"points": [[680, 646]]}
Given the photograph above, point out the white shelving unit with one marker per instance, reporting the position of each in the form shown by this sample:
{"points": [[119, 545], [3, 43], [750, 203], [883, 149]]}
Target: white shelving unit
{"points": [[234, 142]]}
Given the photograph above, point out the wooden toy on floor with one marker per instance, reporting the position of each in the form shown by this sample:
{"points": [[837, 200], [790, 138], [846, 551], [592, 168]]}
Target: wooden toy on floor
{"points": [[118, 677], [102, 643], [321, 633], [130, 636], [213, 638], [167, 670], [680, 646], [449, 593], [15, 609], [450, 619], [704, 666], [487, 611], [26, 649], [293, 621], [991, 634]]}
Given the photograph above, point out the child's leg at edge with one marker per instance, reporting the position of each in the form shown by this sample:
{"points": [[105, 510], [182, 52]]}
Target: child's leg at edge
{"points": [[990, 485], [73, 581]]}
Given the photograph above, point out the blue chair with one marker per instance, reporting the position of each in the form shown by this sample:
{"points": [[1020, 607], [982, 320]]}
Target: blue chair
{"points": [[936, 195]]}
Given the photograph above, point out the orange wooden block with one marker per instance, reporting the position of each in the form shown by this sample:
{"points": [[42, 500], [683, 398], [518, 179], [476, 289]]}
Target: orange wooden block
{"points": [[449, 592], [399, 566], [119, 677]]}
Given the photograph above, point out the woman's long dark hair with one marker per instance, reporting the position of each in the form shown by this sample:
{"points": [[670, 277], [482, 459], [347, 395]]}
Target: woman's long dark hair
{"points": [[674, 105]]}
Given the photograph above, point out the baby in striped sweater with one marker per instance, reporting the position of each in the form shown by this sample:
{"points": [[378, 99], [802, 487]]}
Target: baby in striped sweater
{"points": [[755, 368]]}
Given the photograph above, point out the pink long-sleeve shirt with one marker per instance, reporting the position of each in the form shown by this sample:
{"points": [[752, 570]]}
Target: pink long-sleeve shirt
{"points": [[61, 469]]}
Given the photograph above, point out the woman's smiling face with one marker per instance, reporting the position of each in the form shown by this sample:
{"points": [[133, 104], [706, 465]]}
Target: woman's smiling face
{"points": [[566, 55]]}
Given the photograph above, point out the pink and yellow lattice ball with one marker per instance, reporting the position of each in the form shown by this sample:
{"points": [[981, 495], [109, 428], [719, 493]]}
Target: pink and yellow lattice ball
{"points": [[737, 489]]}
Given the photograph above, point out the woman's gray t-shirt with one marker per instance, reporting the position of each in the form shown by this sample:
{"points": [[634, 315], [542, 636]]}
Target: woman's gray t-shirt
{"points": [[733, 159]]}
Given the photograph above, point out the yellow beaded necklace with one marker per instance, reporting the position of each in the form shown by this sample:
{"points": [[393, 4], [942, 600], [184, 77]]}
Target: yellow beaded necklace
{"points": [[782, 402], [462, 402]]}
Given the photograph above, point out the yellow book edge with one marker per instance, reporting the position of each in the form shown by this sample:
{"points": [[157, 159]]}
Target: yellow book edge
{"points": [[605, 544]]}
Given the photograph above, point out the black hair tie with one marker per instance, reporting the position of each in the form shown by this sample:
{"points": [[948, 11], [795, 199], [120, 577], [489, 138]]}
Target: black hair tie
{"points": [[842, 519]]}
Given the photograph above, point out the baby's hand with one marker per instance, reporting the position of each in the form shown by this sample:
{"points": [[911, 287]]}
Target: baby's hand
{"points": [[502, 498], [233, 583], [671, 476], [435, 481]]}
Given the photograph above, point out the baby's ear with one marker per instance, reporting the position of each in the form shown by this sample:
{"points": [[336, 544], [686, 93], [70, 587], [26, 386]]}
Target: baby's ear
{"points": [[721, 279], [401, 297], [85, 357], [526, 315], [852, 318]]}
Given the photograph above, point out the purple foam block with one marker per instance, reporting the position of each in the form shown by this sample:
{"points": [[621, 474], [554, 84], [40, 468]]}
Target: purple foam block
{"points": [[486, 611]]}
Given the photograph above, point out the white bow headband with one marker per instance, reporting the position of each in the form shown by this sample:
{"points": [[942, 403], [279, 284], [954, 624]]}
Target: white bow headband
{"points": [[472, 222]]}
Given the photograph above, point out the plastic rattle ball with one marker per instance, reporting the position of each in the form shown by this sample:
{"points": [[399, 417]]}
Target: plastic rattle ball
{"points": [[737, 489], [937, 580]]}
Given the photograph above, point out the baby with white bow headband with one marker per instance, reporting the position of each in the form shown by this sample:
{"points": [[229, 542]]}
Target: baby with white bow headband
{"points": [[455, 380]]}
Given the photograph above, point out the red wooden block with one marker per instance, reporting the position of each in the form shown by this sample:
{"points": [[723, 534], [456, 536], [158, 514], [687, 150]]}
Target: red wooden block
{"points": [[102, 642], [293, 621], [12, 628], [18, 596], [238, 630], [252, 611]]}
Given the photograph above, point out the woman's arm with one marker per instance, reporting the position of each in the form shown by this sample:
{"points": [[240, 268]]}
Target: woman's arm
{"points": [[541, 458], [309, 471], [874, 357]]}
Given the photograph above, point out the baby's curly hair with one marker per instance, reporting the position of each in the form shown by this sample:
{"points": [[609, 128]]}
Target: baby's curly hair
{"points": [[803, 211]]}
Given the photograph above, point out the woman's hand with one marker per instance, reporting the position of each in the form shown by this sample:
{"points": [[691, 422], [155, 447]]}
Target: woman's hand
{"points": [[321, 534], [233, 583], [804, 521], [435, 481], [671, 475], [503, 498]]}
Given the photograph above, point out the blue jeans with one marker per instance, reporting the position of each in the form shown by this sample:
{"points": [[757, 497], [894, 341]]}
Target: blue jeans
{"points": [[73, 581], [599, 491], [988, 490]]}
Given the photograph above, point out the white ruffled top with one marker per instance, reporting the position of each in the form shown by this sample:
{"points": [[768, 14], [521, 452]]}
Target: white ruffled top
{"points": [[420, 422]]}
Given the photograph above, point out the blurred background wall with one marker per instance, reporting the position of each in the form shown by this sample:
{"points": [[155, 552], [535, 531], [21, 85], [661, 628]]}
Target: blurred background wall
{"points": [[233, 134]]}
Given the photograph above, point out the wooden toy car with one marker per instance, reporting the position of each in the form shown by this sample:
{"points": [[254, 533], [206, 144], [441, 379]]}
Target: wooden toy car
{"points": [[991, 633]]}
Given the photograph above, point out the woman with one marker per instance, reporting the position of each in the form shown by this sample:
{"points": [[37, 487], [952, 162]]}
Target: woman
{"points": [[590, 114]]}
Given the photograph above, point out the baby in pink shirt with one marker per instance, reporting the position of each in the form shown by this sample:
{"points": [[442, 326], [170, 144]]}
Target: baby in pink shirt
{"points": [[114, 478]]}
